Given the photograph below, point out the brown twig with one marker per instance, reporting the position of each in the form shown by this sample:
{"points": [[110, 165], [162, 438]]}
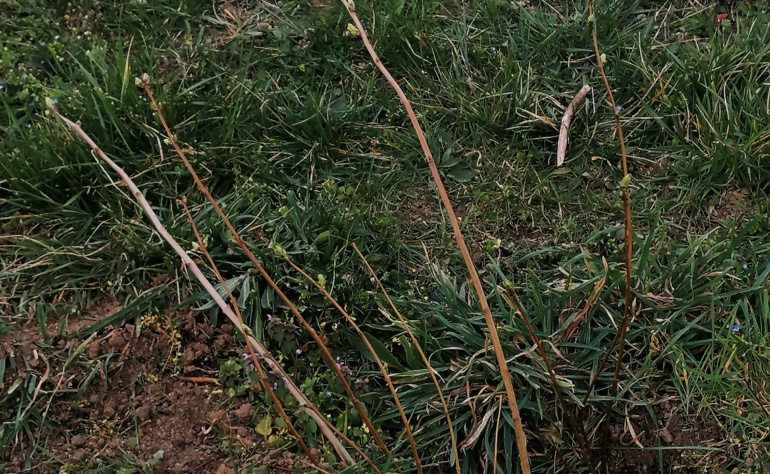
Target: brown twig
{"points": [[325, 352], [425, 361], [627, 238], [521, 439], [592, 299], [497, 429], [190, 264], [561, 151], [199, 379]]}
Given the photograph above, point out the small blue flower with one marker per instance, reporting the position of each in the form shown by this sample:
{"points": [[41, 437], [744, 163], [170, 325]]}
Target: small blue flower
{"points": [[618, 108], [494, 50], [42, 43], [285, 383], [246, 356], [744, 266], [53, 99], [735, 328], [299, 351], [275, 385], [328, 394], [2, 85]]}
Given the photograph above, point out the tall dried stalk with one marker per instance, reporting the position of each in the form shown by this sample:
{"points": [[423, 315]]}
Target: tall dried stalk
{"points": [[326, 353], [627, 237], [521, 440], [193, 267], [425, 361]]}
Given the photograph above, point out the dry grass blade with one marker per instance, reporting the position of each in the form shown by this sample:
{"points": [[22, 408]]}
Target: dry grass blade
{"points": [[497, 430], [578, 431], [589, 305], [425, 361], [521, 439], [193, 267], [561, 151], [327, 355], [627, 238]]}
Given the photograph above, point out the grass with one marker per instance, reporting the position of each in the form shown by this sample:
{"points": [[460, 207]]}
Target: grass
{"points": [[299, 139]]}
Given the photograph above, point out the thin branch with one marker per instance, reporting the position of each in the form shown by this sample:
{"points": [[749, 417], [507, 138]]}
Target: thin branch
{"points": [[424, 358], [627, 238], [521, 439], [579, 432], [190, 263], [326, 353], [565, 121]]}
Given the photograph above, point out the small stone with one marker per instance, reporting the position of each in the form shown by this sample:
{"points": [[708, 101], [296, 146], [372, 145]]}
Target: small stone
{"points": [[143, 413], [244, 411], [78, 441], [667, 436]]}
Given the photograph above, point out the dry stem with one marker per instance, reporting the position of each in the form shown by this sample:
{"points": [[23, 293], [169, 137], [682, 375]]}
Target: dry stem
{"points": [[521, 439], [381, 366], [242, 244], [627, 239], [190, 263], [260, 372], [565, 121], [425, 361]]}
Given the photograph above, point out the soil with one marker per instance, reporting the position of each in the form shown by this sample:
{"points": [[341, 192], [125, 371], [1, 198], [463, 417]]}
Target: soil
{"points": [[734, 203], [675, 430], [419, 208], [136, 403]]}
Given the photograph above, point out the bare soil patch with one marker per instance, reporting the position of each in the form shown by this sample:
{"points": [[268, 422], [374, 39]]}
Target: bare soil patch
{"points": [[124, 395]]}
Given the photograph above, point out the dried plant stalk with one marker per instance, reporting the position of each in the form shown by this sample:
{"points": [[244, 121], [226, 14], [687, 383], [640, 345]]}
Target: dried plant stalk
{"points": [[561, 151], [260, 372], [326, 353], [521, 439], [190, 264], [627, 238], [578, 431], [377, 359]]}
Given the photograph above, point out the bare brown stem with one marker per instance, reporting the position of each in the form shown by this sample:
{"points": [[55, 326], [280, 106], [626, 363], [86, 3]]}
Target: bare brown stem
{"points": [[579, 432], [589, 305], [627, 241], [521, 439], [380, 365], [424, 357], [561, 151], [193, 267], [326, 353], [497, 429]]}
